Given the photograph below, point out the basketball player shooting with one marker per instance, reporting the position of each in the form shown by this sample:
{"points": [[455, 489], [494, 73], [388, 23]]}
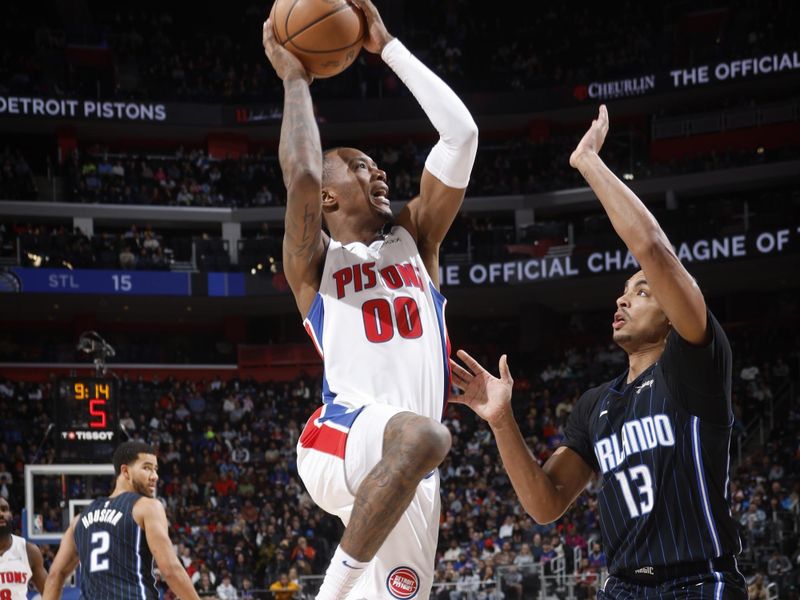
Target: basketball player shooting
{"points": [[21, 561], [368, 294], [116, 539], [658, 435]]}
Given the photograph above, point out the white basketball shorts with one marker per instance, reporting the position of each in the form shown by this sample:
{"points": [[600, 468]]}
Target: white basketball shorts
{"points": [[336, 451]]}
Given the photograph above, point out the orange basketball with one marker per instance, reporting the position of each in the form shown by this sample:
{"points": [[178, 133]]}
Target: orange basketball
{"points": [[326, 35]]}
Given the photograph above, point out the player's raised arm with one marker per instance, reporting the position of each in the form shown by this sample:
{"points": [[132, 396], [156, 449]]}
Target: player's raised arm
{"points": [[150, 515], [448, 166], [35, 560], [677, 292], [65, 562], [544, 492], [300, 155]]}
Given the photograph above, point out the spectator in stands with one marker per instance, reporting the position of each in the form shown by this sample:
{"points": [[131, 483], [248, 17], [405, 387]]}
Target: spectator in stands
{"points": [[505, 556], [283, 589], [507, 528], [467, 585], [204, 586], [225, 590], [490, 587], [202, 570], [757, 590], [449, 578], [754, 521], [536, 547], [247, 593], [597, 558], [451, 554], [586, 580], [524, 558], [779, 569], [127, 259], [512, 583]]}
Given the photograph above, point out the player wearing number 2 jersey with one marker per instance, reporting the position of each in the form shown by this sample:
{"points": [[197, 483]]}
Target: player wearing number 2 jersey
{"points": [[116, 539], [368, 297], [658, 436]]}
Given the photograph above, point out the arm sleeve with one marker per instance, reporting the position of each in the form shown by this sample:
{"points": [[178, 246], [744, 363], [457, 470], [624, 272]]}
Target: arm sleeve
{"points": [[576, 433], [451, 159], [699, 377]]}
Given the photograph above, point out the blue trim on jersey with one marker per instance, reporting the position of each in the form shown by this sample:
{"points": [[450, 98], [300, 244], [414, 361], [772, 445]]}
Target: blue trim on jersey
{"points": [[316, 320], [701, 482], [718, 588], [327, 395], [439, 301], [339, 414], [139, 562], [316, 317]]}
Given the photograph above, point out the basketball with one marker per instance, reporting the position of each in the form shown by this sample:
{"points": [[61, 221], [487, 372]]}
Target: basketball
{"points": [[326, 35]]}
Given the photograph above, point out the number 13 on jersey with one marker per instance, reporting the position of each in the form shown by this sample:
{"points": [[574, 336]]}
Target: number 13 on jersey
{"points": [[640, 477]]}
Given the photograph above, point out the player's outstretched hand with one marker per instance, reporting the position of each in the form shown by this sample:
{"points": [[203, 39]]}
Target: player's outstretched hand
{"points": [[285, 63], [377, 36], [484, 393], [593, 139]]}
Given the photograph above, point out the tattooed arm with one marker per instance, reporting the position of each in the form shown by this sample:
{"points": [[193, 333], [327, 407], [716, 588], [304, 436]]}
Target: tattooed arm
{"points": [[300, 155]]}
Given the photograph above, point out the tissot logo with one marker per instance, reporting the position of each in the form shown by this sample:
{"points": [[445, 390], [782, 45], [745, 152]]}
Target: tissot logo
{"points": [[91, 436]]}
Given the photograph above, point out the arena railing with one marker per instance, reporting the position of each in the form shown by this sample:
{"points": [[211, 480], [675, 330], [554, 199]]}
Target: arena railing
{"points": [[707, 182]]}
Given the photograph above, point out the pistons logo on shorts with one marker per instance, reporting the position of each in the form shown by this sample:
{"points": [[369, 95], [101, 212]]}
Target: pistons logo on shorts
{"points": [[403, 582]]}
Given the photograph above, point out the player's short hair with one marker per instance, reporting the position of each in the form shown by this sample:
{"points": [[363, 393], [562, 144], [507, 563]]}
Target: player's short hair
{"points": [[327, 164], [127, 453]]}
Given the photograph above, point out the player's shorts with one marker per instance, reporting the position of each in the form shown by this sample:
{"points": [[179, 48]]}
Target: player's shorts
{"points": [[336, 451], [710, 585]]}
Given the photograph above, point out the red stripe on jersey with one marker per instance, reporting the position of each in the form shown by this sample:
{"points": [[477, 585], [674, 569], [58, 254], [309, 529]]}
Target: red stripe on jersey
{"points": [[313, 335], [323, 438]]}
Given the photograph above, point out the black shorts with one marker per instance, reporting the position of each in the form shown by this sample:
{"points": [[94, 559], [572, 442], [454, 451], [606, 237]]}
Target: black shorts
{"points": [[703, 586]]}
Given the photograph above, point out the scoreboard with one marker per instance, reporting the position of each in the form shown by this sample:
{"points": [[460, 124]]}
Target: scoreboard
{"points": [[86, 419]]}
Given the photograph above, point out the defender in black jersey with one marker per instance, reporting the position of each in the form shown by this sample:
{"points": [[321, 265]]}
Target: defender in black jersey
{"points": [[116, 539], [658, 436]]}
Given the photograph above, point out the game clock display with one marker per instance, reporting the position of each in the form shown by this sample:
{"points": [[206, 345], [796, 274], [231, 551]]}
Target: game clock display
{"points": [[87, 423]]}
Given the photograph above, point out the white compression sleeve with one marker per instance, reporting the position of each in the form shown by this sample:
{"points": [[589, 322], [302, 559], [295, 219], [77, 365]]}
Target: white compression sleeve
{"points": [[451, 159]]}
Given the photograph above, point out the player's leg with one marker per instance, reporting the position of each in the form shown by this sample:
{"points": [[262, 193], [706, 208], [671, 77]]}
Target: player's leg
{"points": [[412, 447], [404, 565]]}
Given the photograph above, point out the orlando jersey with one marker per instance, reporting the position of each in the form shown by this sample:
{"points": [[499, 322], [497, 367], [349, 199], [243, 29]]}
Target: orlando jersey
{"points": [[116, 562], [378, 323], [15, 570], [661, 446]]}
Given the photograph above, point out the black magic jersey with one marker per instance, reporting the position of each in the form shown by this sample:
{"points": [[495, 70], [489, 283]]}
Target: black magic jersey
{"points": [[116, 562], [661, 446]]}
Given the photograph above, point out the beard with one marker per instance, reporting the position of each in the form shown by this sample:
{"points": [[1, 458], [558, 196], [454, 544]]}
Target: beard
{"points": [[5, 529], [143, 490]]}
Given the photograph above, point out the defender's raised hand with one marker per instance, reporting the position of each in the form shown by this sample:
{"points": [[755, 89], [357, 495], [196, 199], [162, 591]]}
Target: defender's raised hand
{"points": [[593, 139], [377, 35], [487, 395], [286, 64]]}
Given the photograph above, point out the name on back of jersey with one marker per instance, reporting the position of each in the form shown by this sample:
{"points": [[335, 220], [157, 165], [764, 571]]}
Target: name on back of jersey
{"points": [[638, 435], [101, 515], [364, 276]]}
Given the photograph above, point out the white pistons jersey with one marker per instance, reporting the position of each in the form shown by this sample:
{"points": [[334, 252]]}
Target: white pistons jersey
{"points": [[378, 323], [15, 570]]}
